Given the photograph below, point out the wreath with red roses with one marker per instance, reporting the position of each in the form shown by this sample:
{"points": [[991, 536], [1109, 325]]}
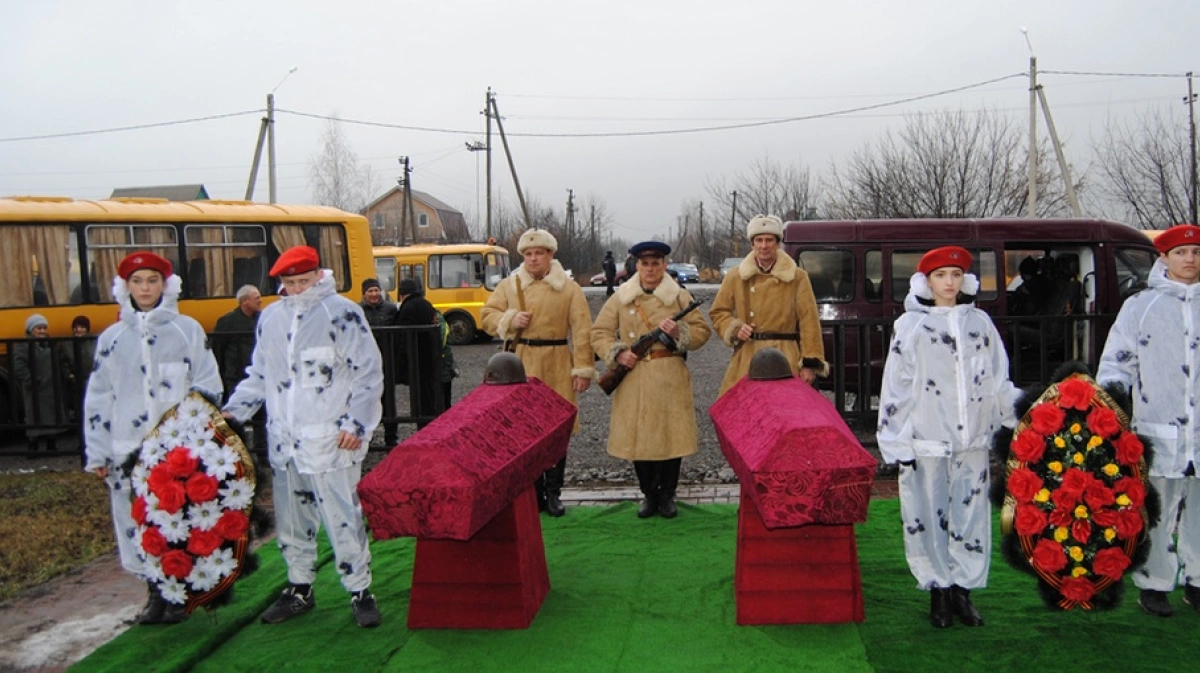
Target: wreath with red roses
{"points": [[1075, 498], [194, 485]]}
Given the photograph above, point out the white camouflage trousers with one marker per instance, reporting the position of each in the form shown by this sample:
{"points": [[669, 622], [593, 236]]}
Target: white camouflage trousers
{"points": [[120, 493], [947, 520], [1175, 541]]}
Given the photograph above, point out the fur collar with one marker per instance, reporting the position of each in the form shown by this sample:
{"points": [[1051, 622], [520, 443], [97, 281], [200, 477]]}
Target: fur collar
{"points": [[556, 277], [667, 291], [323, 288], [167, 308], [784, 269]]}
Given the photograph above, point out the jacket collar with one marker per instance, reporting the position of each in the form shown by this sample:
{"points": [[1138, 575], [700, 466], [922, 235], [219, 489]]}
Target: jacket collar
{"points": [[313, 295], [784, 269], [667, 291], [167, 309], [1159, 280], [556, 277]]}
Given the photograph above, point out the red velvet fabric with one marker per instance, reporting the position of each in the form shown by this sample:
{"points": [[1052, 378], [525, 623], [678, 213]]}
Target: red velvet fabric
{"points": [[788, 443], [452, 477], [799, 575], [496, 580]]}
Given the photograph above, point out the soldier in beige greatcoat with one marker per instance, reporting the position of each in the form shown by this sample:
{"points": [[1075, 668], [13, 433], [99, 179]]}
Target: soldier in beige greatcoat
{"points": [[767, 302], [543, 317], [653, 416]]}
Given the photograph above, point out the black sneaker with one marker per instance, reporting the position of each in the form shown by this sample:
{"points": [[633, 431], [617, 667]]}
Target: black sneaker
{"points": [[1155, 603], [1191, 596], [290, 603], [366, 613]]}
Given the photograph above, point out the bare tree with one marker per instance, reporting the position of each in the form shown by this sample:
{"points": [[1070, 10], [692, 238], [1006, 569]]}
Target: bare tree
{"points": [[1145, 169], [766, 187], [946, 164], [335, 176]]}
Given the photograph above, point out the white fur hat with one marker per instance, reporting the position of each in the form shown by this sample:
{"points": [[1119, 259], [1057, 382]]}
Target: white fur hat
{"points": [[764, 224], [537, 238]]}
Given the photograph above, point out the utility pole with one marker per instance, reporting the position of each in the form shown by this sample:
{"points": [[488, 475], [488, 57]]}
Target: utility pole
{"points": [[508, 155], [487, 148], [1031, 195], [1191, 103], [702, 244], [1062, 158], [258, 149], [267, 130], [407, 215], [733, 237]]}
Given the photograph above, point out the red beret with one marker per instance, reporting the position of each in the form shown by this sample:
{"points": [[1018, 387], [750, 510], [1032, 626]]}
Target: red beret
{"points": [[297, 260], [143, 259], [1180, 234], [951, 255]]}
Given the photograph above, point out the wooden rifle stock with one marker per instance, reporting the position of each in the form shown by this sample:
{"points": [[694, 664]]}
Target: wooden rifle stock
{"points": [[612, 378]]}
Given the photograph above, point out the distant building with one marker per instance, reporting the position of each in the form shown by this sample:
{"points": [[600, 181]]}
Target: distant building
{"points": [[436, 222], [168, 192]]}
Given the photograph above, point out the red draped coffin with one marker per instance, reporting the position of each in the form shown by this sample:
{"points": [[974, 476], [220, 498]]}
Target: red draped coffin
{"points": [[463, 487], [805, 481]]}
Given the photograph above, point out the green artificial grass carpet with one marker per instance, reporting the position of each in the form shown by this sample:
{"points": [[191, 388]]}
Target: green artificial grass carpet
{"points": [[657, 595]]}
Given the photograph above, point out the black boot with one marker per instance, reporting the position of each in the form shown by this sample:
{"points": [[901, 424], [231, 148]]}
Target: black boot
{"points": [[174, 613], [539, 489], [152, 612], [554, 483], [646, 472], [960, 600], [668, 480], [940, 611]]}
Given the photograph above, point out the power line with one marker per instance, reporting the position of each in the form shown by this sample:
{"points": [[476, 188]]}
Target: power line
{"points": [[137, 127], [1112, 74]]}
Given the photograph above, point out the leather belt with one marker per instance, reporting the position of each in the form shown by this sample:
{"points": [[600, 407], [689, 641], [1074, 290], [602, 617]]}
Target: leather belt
{"points": [[655, 355], [775, 336], [542, 342]]}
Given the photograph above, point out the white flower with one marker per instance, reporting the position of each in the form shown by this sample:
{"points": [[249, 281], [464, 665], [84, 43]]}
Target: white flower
{"points": [[152, 452], [151, 503], [152, 569], [173, 526], [193, 409], [236, 494], [204, 515], [202, 577], [171, 431], [173, 590], [196, 437], [220, 461], [221, 561], [139, 478]]}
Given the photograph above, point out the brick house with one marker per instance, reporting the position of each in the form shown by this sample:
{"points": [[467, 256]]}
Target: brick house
{"points": [[436, 222]]}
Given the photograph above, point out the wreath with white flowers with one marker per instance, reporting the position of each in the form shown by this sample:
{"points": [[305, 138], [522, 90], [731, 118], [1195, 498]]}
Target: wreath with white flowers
{"points": [[194, 486]]}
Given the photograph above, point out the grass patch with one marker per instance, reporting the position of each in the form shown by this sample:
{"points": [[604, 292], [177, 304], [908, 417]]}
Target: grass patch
{"points": [[50, 522]]}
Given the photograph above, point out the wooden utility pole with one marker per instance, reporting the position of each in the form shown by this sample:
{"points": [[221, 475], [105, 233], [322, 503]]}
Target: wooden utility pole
{"points": [[1031, 187], [508, 155], [1191, 103], [733, 237], [408, 219]]}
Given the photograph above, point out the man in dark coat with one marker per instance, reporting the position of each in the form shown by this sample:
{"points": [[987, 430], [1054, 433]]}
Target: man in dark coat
{"points": [[610, 271], [416, 311], [233, 352], [379, 311]]}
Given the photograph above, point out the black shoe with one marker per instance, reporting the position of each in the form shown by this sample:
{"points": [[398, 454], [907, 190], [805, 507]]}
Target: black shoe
{"points": [[1156, 603], [554, 506], [648, 508], [960, 601], [174, 613], [667, 508], [291, 602], [366, 612], [152, 612], [940, 611], [1191, 596]]}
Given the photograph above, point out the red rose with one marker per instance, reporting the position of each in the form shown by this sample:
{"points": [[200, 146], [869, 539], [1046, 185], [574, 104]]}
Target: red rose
{"points": [[171, 497], [1065, 498], [1081, 530], [1046, 418], [1104, 517], [1110, 563], [177, 563], [159, 475], [1103, 422], [1063, 516], [1078, 589], [1098, 495], [1075, 394], [1129, 448], [1129, 523], [139, 510], [232, 525], [1076, 481], [180, 463], [1024, 484], [201, 487], [1030, 520], [1134, 488], [1049, 556], [153, 541], [1029, 446], [203, 542]]}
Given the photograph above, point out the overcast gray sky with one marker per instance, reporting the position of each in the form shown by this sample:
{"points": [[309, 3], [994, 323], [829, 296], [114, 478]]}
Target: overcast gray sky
{"points": [[557, 67]]}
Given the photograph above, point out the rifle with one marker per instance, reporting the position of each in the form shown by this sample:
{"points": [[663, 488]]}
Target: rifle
{"points": [[612, 378]]}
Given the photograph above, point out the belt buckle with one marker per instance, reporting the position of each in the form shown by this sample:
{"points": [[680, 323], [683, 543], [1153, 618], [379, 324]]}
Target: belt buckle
{"points": [[646, 357]]}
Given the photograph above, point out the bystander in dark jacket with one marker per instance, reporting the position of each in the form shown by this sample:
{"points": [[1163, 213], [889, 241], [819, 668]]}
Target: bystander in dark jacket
{"points": [[239, 328], [415, 311]]}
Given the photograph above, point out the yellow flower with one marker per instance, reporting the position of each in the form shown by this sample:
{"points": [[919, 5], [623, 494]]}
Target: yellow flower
{"points": [[1077, 459], [1042, 495], [1109, 534], [1081, 512], [1095, 441], [1123, 500], [1060, 442], [1075, 428], [1076, 554], [1061, 534], [1112, 469], [1079, 571], [1055, 467]]}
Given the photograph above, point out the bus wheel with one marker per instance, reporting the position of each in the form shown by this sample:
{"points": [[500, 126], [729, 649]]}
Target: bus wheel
{"points": [[462, 329]]}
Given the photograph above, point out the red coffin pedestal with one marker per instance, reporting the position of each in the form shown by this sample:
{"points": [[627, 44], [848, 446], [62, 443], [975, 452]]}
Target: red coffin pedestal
{"points": [[463, 487], [805, 481]]}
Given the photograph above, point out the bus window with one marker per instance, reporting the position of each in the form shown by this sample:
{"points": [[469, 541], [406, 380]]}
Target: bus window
{"points": [[224, 257], [385, 273], [873, 279], [1133, 268], [450, 271], [38, 271], [328, 239], [497, 270], [831, 273], [108, 244]]}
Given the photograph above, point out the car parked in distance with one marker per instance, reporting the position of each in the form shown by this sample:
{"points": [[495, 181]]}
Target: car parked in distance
{"points": [[684, 273], [729, 264], [598, 279]]}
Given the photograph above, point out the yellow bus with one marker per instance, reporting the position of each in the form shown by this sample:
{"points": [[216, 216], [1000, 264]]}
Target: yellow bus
{"points": [[458, 279], [60, 254]]}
